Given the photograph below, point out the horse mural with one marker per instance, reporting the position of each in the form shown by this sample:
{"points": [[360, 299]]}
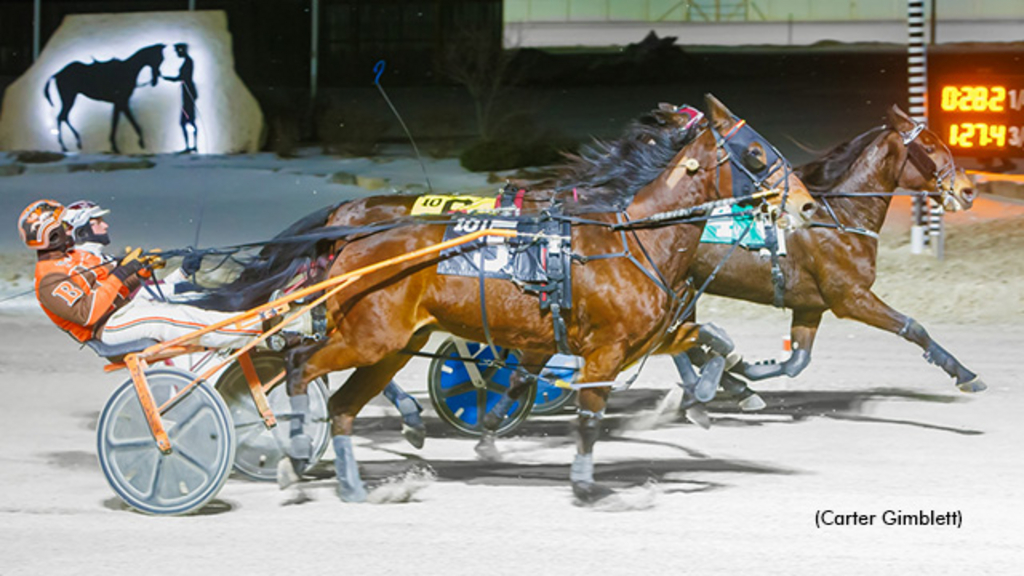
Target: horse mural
{"points": [[111, 81], [628, 285]]}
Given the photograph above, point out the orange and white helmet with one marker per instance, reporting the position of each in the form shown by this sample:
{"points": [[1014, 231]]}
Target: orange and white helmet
{"points": [[41, 227], [79, 216]]}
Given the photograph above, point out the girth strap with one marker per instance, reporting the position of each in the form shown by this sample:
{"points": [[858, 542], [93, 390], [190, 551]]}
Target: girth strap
{"points": [[771, 240]]}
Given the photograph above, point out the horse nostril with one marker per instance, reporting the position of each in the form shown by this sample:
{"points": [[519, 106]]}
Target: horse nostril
{"points": [[967, 194], [808, 209]]}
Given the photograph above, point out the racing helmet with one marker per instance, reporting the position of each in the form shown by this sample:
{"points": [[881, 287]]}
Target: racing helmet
{"points": [[78, 217], [41, 227]]}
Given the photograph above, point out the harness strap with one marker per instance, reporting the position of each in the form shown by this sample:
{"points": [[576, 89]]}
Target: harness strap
{"points": [[771, 240]]}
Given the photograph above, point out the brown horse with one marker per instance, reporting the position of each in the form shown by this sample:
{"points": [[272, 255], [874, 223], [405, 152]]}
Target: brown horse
{"points": [[831, 266], [622, 306]]}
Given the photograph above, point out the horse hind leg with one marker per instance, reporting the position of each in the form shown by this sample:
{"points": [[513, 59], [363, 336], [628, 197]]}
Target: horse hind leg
{"points": [[413, 429], [362, 385], [519, 383]]}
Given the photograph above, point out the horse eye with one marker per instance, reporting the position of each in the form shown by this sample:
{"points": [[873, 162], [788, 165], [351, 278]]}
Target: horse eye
{"points": [[929, 148]]}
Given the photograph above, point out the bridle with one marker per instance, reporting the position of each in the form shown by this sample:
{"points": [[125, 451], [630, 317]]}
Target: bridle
{"points": [[945, 178]]}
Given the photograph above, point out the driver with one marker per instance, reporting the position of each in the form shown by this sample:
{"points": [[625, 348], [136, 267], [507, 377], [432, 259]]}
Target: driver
{"points": [[92, 296]]}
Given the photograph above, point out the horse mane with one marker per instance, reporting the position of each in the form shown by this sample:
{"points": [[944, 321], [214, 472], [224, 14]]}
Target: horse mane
{"points": [[822, 175], [606, 175]]}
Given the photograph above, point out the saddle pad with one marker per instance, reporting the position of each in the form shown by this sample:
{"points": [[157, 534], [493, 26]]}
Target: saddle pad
{"points": [[437, 204], [722, 229], [519, 260]]}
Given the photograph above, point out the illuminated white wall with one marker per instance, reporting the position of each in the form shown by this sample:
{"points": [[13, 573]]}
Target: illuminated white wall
{"points": [[228, 117]]}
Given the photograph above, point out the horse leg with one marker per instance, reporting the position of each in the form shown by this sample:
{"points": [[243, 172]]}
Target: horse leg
{"points": [[413, 428], [714, 352], [518, 383], [113, 129], [67, 101], [803, 328], [868, 308], [299, 450], [601, 366], [361, 386], [138, 130]]}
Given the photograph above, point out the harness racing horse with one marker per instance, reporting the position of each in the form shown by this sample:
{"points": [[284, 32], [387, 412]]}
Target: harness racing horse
{"points": [[112, 81], [622, 306], [831, 265]]}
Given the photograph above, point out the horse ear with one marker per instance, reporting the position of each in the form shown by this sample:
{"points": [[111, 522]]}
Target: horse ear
{"points": [[899, 120], [721, 116]]}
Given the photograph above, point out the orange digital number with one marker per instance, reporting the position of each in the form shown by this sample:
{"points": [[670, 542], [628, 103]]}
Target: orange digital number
{"points": [[973, 98]]}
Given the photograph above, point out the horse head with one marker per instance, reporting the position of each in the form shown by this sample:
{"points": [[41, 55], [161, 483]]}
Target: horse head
{"points": [[152, 56], [934, 169], [759, 168]]}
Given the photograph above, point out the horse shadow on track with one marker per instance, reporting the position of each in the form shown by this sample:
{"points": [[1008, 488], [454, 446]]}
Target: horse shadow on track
{"points": [[672, 474]]}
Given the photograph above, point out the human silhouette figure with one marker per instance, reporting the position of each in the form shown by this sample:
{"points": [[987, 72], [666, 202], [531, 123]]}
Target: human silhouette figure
{"points": [[188, 97]]}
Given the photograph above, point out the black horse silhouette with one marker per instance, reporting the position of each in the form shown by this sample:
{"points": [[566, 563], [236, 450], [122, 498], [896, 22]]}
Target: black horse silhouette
{"points": [[112, 81]]}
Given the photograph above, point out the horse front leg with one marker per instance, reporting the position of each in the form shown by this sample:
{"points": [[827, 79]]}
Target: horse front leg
{"points": [[601, 366], [113, 130], [868, 308], [531, 363], [138, 130]]}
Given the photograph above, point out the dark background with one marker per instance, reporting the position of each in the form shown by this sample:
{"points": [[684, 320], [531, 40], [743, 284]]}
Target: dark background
{"points": [[804, 99]]}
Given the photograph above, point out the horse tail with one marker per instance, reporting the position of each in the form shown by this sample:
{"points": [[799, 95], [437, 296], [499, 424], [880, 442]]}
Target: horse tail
{"points": [[46, 91], [275, 265]]}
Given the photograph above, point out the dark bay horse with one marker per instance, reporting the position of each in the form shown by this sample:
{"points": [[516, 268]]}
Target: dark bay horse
{"points": [[619, 313], [829, 268], [111, 81]]}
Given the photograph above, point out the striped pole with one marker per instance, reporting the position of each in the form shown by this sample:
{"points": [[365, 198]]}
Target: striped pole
{"points": [[927, 221]]}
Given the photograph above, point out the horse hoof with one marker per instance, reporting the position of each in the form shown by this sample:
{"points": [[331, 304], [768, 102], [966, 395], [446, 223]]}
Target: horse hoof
{"points": [[490, 422], [414, 435], [752, 403], [353, 494], [590, 492], [973, 385], [486, 449], [286, 475], [699, 416]]}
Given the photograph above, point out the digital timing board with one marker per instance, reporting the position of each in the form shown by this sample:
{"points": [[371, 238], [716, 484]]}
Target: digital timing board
{"points": [[979, 116]]}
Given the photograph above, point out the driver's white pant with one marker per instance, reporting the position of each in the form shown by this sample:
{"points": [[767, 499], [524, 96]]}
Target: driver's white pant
{"points": [[143, 318]]}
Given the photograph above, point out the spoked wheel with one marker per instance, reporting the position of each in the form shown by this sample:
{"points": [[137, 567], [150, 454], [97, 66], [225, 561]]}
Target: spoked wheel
{"points": [[259, 449], [202, 445], [462, 392], [551, 399]]}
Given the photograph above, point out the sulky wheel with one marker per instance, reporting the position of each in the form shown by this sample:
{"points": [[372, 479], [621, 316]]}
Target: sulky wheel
{"points": [[462, 392], [551, 399], [202, 445], [260, 449]]}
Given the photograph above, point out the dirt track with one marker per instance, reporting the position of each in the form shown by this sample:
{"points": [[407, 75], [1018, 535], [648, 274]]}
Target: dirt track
{"points": [[868, 427]]}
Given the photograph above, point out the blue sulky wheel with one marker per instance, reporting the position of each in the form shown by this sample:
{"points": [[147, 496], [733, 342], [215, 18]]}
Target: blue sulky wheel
{"points": [[259, 449], [202, 441], [551, 399], [462, 392]]}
